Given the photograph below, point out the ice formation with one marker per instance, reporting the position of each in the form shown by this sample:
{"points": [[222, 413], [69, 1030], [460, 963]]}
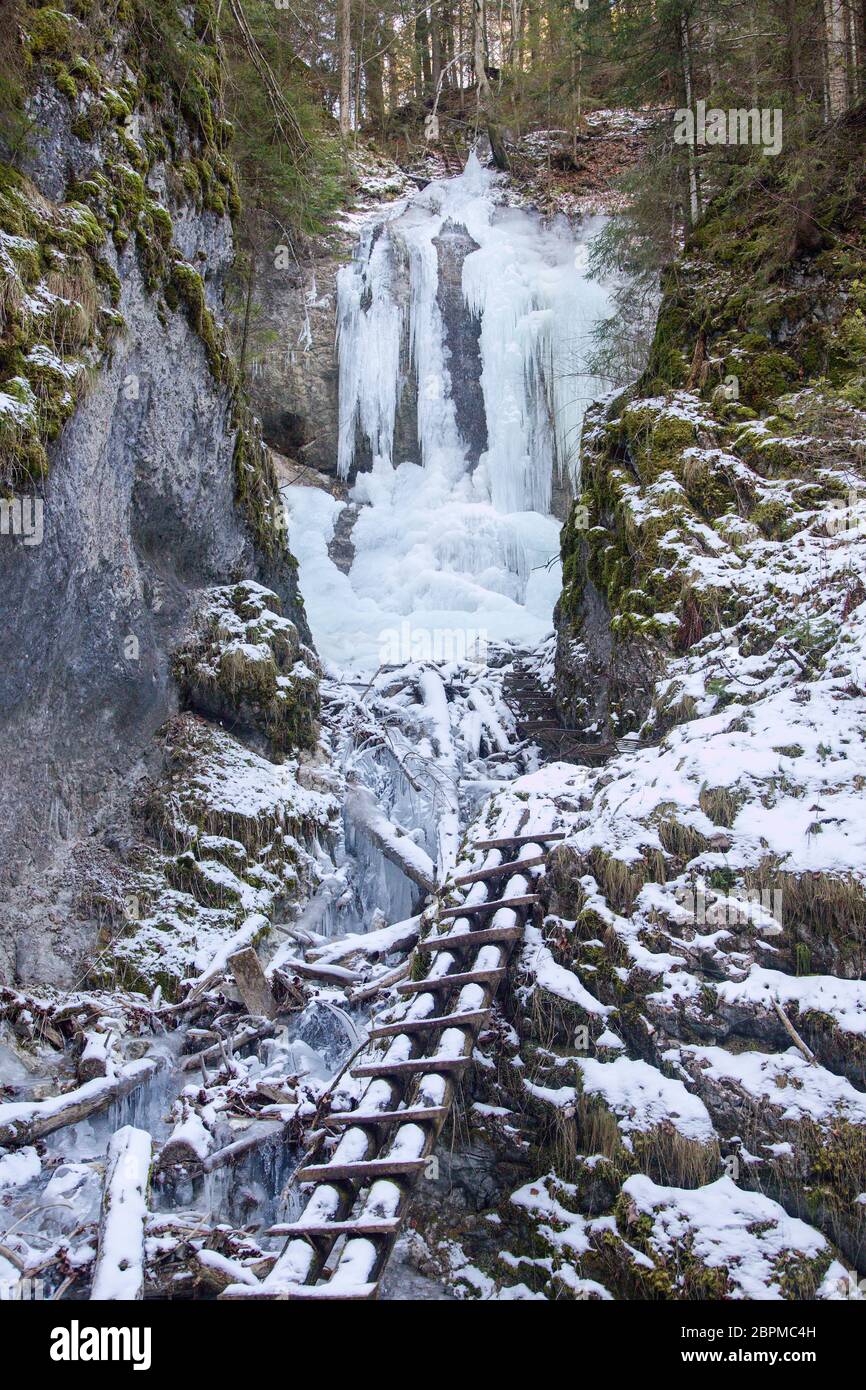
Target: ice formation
{"points": [[488, 568]]}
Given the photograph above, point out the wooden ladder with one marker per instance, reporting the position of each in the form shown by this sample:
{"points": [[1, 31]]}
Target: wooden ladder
{"points": [[340, 1245]]}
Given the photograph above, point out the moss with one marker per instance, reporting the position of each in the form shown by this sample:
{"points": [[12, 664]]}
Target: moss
{"points": [[246, 664], [51, 33], [773, 518]]}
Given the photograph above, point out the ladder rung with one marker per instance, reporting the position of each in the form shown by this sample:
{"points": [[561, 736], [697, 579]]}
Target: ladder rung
{"points": [[501, 870], [370, 1168], [458, 941], [290, 1293], [337, 1228], [424, 1025], [361, 1118], [494, 905], [410, 1068], [439, 982], [540, 837]]}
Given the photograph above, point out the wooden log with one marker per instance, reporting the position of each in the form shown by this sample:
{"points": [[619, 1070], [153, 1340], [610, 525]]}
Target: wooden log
{"points": [[426, 1025], [245, 1038], [186, 1146], [258, 1133], [522, 900], [217, 1271], [512, 866], [253, 927], [372, 1168], [250, 978], [372, 1118], [541, 837], [95, 1056], [357, 996], [399, 848], [381, 941], [440, 982], [416, 1066], [330, 974], [336, 1228], [458, 941], [21, 1122], [119, 1270], [286, 1293]]}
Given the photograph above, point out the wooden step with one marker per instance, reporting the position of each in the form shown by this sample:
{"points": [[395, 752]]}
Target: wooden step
{"points": [[523, 900], [541, 837], [337, 1228], [514, 866], [413, 1067], [308, 1293], [458, 941], [425, 1025], [372, 1118], [369, 1168], [465, 977]]}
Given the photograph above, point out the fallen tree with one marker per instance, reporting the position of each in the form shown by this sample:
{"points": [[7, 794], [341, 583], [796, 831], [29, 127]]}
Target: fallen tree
{"points": [[394, 843], [21, 1122], [119, 1270]]}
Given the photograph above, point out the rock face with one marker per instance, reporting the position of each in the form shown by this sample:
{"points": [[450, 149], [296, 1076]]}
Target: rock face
{"points": [[462, 334], [140, 513], [295, 375]]}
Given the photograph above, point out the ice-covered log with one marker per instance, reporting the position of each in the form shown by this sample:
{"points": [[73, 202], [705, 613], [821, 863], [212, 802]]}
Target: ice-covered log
{"points": [[396, 846], [435, 701], [21, 1122], [119, 1271], [380, 941]]}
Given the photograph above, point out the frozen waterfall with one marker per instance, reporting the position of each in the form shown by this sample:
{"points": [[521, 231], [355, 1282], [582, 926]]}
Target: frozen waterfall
{"points": [[463, 332]]}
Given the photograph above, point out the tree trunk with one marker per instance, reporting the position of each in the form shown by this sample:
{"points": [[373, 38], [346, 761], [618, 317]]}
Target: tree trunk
{"points": [[374, 70], [837, 54], [422, 47], [793, 48], [435, 49], [393, 75], [685, 48], [479, 52], [345, 68]]}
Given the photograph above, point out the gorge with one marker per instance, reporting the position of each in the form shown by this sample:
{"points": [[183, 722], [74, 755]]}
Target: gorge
{"points": [[433, 709]]}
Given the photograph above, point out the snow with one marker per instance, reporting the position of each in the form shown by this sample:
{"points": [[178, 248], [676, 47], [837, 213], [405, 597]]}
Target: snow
{"points": [[785, 1080], [556, 979], [119, 1270], [20, 1167], [642, 1097], [744, 1233]]}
